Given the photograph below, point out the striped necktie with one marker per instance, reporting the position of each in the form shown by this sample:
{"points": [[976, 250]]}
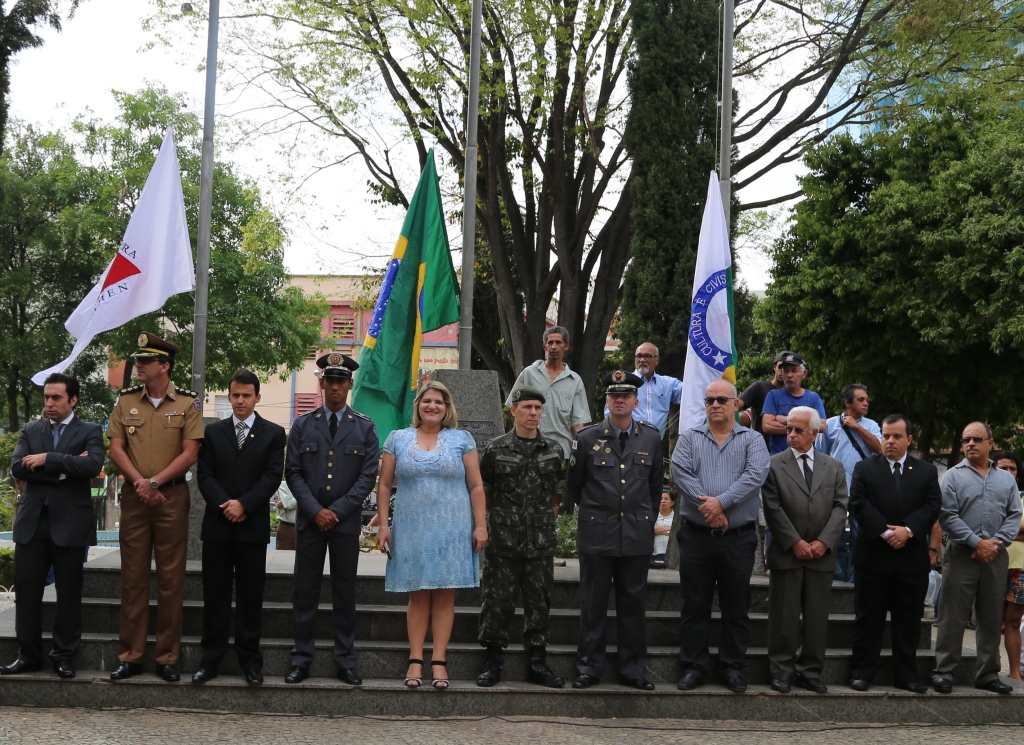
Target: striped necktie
{"points": [[241, 434]]}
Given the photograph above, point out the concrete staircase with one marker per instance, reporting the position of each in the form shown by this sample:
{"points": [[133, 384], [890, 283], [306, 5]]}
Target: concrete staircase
{"points": [[383, 652]]}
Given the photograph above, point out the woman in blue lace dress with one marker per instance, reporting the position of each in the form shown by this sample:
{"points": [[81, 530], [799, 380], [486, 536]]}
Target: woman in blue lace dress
{"points": [[439, 523]]}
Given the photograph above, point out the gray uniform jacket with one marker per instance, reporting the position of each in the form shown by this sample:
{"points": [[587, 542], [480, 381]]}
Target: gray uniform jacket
{"points": [[331, 473], [618, 490], [794, 512], [62, 484]]}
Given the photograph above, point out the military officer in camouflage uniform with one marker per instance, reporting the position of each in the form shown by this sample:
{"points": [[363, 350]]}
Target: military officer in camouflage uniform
{"points": [[520, 471], [615, 475]]}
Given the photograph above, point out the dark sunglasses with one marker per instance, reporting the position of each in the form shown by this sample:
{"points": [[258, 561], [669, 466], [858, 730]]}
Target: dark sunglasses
{"points": [[720, 400], [969, 440], [798, 430], [642, 356]]}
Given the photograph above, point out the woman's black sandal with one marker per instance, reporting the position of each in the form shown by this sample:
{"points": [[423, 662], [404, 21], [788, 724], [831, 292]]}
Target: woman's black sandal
{"points": [[414, 682], [440, 684]]}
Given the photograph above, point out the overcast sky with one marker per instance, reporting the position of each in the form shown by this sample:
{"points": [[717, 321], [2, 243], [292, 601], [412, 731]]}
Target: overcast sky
{"points": [[103, 48]]}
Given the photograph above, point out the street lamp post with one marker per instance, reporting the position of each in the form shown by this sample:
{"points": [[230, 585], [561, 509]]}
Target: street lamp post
{"points": [[469, 202], [725, 104]]}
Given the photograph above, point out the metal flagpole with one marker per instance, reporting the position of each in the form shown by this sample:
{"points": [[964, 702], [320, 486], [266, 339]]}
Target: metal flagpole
{"points": [[205, 210], [725, 104], [469, 203]]}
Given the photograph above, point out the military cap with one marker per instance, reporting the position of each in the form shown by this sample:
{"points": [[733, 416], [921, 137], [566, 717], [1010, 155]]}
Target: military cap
{"points": [[528, 393], [337, 365], [621, 381], [151, 345]]}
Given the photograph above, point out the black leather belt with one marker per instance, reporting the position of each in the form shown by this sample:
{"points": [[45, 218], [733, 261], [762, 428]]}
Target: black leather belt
{"points": [[174, 482], [718, 531]]}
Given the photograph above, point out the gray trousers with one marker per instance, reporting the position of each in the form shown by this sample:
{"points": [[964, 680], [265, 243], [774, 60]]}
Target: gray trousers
{"points": [[795, 644], [966, 582]]}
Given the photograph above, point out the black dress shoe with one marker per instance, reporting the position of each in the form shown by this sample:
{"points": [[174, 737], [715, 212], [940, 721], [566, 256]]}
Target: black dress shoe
{"points": [[942, 685], [914, 687], [126, 670], [859, 684], [254, 677], [585, 681], [641, 684], [203, 675], [21, 666], [734, 681], [691, 679], [815, 685], [350, 676], [168, 673], [64, 668], [782, 686], [296, 675], [996, 686]]}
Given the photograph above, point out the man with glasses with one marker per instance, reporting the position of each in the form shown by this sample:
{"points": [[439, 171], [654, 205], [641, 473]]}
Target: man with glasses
{"points": [[658, 393], [981, 513], [895, 499], [719, 468], [155, 430]]}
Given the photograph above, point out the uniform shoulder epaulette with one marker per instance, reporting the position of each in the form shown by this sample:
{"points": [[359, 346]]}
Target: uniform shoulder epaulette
{"points": [[581, 430], [186, 392], [133, 389], [361, 416], [647, 424]]}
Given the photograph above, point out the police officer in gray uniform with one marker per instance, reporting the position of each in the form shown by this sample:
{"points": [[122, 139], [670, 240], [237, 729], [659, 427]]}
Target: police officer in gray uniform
{"points": [[615, 475], [331, 467]]}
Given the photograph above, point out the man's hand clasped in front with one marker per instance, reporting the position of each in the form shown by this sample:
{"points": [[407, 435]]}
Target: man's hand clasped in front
{"points": [[987, 550], [147, 493], [234, 510], [325, 519]]}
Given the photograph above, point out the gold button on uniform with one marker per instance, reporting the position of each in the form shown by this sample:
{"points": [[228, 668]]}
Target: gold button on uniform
{"points": [[623, 481], [622, 465], [328, 488], [330, 452], [622, 514], [329, 465], [623, 496], [330, 476]]}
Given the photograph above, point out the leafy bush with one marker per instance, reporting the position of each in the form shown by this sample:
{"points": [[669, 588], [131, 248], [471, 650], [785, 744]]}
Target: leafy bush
{"points": [[8, 502], [6, 567], [565, 535]]}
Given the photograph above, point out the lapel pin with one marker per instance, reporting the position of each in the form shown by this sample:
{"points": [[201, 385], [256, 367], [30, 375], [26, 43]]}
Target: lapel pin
{"points": [[252, 435]]}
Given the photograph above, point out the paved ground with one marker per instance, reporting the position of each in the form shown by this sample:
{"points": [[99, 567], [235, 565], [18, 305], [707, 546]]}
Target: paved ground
{"points": [[88, 727]]}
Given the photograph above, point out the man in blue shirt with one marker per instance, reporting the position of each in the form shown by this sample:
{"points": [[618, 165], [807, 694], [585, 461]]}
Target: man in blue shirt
{"points": [[780, 401], [658, 393], [850, 438]]}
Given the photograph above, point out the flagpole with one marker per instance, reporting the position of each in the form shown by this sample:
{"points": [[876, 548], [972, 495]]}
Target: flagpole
{"points": [[469, 202], [725, 105], [205, 212]]}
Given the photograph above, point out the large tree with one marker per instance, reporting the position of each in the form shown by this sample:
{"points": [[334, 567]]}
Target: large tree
{"points": [[902, 270]]}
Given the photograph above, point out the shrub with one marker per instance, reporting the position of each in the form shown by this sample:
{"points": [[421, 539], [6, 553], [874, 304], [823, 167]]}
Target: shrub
{"points": [[6, 567], [565, 535], [8, 502]]}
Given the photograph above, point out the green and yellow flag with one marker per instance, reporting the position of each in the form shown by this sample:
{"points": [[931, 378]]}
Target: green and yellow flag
{"points": [[420, 293]]}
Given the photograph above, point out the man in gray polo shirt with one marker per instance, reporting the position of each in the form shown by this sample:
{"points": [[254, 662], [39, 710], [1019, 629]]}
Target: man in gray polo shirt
{"points": [[719, 468], [566, 409], [981, 512]]}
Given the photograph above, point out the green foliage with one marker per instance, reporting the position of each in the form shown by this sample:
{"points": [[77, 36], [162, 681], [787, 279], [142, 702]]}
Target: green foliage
{"points": [[902, 269], [6, 567], [7, 443], [565, 536], [8, 505]]}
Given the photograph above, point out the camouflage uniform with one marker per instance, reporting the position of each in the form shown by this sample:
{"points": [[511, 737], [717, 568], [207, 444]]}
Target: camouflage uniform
{"points": [[520, 476]]}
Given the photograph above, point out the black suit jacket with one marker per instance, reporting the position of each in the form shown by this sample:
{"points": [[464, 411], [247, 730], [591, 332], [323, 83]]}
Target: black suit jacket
{"points": [[63, 483], [251, 475], [875, 504]]}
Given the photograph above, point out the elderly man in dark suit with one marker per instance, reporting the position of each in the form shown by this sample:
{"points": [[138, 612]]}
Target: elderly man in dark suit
{"points": [[331, 467], [895, 499], [241, 462], [56, 457], [805, 508]]}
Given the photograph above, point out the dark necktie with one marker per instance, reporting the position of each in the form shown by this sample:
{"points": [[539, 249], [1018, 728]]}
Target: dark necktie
{"points": [[623, 436], [241, 435], [333, 424], [58, 430], [897, 476], [808, 474]]}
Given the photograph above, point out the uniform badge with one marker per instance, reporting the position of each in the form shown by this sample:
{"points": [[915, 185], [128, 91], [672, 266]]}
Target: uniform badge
{"points": [[197, 406], [133, 411], [574, 444], [143, 340], [618, 376], [131, 430], [607, 450], [334, 359]]}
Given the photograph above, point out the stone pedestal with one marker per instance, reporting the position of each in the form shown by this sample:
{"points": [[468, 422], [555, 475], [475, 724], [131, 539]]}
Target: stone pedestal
{"points": [[477, 399], [196, 508]]}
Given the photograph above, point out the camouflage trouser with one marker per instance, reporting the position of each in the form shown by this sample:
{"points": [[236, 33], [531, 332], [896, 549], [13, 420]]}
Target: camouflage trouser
{"points": [[503, 578]]}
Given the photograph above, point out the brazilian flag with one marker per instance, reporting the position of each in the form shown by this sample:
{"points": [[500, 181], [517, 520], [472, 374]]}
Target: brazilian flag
{"points": [[420, 293]]}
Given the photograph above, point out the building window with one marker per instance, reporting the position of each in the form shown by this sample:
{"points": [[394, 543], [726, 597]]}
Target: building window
{"points": [[222, 406], [343, 325], [306, 402]]}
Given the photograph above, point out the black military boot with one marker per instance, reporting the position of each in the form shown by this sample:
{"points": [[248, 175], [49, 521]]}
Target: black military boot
{"points": [[540, 673], [493, 666]]}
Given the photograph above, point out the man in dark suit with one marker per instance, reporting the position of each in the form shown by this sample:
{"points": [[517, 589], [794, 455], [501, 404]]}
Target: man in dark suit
{"points": [[805, 508], [615, 475], [241, 462], [56, 457], [895, 500], [330, 468]]}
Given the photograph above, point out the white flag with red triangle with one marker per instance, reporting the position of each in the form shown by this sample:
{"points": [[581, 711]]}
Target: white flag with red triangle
{"points": [[153, 262]]}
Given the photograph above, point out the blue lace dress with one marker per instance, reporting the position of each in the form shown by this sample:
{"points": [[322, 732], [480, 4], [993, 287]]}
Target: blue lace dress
{"points": [[432, 531]]}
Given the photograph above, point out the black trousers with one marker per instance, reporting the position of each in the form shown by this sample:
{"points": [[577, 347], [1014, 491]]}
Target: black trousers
{"points": [[244, 565], [902, 596], [707, 562], [597, 572], [311, 548], [32, 563]]}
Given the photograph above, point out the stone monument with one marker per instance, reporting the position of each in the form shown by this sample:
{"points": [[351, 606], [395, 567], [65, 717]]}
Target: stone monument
{"points": [[477, 401], [197, 506]]}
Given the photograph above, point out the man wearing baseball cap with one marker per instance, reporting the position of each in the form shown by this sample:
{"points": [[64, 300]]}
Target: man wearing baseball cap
{"points": [[779, 402]]}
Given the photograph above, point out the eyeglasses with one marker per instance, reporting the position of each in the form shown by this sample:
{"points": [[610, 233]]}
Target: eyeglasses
{"points": [[969, 440], [720, 400], [798, 430], [643, 356]]}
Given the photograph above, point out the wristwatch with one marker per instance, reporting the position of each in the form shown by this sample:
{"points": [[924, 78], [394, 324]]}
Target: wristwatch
{"points": [[154, 483], [910, 533]]}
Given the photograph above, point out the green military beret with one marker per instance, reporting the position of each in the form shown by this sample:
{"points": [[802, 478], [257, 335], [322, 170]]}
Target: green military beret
{"points": [[528, 393]]}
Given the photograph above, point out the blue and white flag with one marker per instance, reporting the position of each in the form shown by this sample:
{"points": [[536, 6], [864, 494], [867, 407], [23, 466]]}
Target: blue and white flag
{"points": [[710, 354]]}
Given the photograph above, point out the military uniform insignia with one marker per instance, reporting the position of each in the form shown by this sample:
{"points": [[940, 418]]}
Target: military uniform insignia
{"points": [[133, 410], [618, 376], [334, 359], [597, 447], [607, 450], [143, 340], [131, 430], [197, 406]]}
